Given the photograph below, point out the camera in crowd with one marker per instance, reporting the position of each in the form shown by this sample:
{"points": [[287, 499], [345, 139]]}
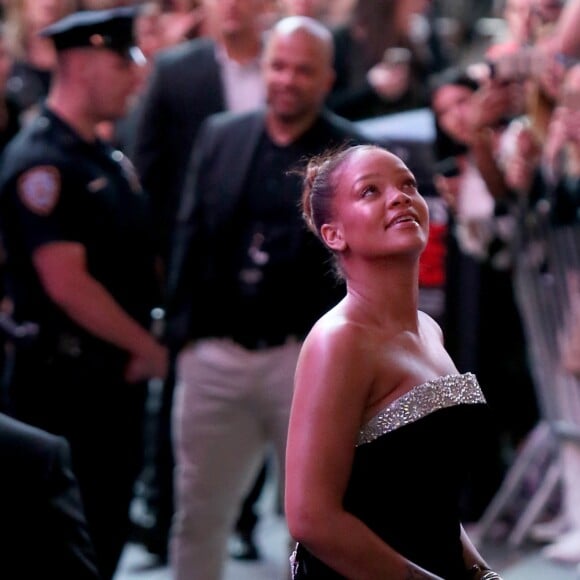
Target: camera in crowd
{"points": [[517, 66]]}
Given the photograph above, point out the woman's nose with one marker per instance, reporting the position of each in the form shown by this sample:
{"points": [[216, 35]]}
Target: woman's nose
{"points": [[398, 197]]}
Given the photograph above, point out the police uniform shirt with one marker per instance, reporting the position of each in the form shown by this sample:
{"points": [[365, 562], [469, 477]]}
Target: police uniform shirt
{"points": [[54, 187]]}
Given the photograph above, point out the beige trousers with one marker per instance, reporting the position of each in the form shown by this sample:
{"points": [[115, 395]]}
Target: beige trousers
{"points": [[230, 405]]}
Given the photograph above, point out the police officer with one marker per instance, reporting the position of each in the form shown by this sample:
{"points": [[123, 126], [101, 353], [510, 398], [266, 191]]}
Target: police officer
{"points": [[81, 266]]}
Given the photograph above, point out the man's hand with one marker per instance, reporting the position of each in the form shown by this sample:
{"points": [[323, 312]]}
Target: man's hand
{"points": [[149, 363]]}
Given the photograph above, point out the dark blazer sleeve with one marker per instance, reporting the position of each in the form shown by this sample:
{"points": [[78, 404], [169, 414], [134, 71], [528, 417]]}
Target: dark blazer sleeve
{"points": [[184, 262], [190, 259], [184, 88], [151, 118], [43, 531]]}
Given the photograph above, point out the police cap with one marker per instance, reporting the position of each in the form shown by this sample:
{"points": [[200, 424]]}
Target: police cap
{"points": [[112, 29]]}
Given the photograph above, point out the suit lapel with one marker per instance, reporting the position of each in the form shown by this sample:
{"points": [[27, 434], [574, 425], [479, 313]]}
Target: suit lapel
{"points": [[241, 155], [216, 84]]}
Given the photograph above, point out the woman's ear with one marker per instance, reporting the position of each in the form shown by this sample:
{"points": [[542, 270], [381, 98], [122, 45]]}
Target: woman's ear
{"points": [[331, 235]]}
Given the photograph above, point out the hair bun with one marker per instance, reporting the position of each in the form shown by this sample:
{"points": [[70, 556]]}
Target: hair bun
{"points": [[311, 173], [308, 183]]}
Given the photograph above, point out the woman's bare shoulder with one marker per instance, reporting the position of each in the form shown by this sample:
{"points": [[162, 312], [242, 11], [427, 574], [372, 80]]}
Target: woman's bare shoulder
{"points": [[428, 323], [337, 331], [335, 370], [333, 350]]}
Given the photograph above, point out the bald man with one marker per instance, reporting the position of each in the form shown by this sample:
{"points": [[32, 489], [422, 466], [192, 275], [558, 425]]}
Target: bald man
{"points": [[246, 284]]}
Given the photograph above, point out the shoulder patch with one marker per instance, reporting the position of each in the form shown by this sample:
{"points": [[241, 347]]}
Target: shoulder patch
{"points": [[39, 189]]}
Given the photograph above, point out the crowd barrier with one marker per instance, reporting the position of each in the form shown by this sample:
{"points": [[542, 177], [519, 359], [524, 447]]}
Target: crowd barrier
{"points": [[547, 286]]}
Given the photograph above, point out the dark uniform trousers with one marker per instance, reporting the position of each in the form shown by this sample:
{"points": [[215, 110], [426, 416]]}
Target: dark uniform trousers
{"points": [[85, 399]]}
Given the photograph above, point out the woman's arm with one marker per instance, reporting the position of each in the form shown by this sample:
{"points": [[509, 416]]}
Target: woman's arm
{"points": [[474, 562]]}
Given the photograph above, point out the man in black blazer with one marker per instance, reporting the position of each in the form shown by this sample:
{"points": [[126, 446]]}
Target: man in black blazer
{"points": [[247, 282], [43, 533], [188, 83]]}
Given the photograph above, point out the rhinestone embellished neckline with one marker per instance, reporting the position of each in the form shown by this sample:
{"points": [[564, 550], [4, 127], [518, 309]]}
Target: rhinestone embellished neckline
{"points": [[420, 401]]}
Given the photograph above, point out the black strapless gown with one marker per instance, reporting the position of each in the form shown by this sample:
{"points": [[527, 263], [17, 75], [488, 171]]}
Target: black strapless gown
{"points": [[409, 468]]}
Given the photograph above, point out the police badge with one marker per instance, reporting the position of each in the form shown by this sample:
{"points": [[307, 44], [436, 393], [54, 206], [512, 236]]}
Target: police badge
{"points": [[39, 189]]}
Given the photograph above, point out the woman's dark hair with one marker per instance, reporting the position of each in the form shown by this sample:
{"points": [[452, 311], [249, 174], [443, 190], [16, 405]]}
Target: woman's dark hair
{"points": [[452, 76], [319, 183], [445, 146], [375, 21]]}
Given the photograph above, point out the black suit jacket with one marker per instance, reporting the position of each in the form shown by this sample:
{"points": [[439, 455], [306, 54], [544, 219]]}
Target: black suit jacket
{"points": [[43, 533], [185, 87], [221, 161]]}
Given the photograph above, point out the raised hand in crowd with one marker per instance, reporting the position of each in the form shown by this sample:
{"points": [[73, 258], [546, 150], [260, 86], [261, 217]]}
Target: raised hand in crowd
{"points": [[494, 101], [391, 77], [525, 156]]}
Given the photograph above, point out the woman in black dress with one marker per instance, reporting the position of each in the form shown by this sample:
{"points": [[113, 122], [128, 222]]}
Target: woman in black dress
{"points": [[383, 426]]}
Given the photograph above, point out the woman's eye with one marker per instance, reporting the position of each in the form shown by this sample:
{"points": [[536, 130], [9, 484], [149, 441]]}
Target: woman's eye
{"points": [[369, 190], [410, 185]]}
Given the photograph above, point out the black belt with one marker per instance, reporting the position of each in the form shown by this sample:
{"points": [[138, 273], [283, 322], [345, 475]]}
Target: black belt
{"points": [[262, 342]]}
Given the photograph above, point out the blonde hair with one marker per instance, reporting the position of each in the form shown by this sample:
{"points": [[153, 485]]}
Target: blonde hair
{"points": [[17, 30]]}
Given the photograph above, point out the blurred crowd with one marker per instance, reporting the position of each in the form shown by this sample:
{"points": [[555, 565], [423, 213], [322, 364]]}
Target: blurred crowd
{"points": [[502, 80], [507, 146]]}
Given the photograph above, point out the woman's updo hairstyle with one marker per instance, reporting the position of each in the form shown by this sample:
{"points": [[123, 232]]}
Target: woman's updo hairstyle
{"points": [[319, 185]]}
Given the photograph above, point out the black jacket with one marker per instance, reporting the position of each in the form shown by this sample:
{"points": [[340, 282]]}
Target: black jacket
{"points": [[43, 533], [184, 89], [197, 281]]}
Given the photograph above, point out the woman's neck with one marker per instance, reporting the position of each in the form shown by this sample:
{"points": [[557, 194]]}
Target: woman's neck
{"points": [[378, 293]]}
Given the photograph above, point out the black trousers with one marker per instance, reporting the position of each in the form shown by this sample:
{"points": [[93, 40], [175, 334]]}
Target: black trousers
{"points": [[85, 399]]}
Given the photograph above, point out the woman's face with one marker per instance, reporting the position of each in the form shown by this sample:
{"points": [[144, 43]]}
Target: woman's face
{"points": [[41, 13], [234, 16], [452, 107], [377, 211]]}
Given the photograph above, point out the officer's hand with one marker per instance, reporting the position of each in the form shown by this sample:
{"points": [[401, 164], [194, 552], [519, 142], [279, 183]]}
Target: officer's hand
{"points": [[151, 362]]}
